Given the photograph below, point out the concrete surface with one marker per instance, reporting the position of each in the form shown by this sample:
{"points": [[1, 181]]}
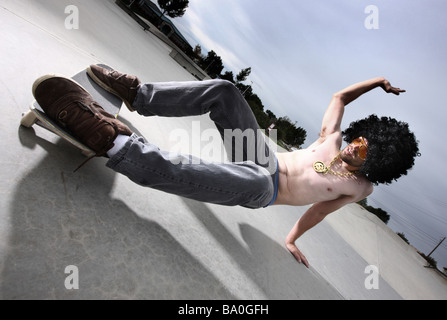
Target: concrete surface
{"points": [[129, 242]]}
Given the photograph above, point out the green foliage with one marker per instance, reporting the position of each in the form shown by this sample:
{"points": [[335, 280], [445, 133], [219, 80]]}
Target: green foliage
{"points": [[286, 130], [381, 214], [289, 132], [212, 64], [173, 8], [228, 75], [243, 74], [402, 235], [431, 261], [258, 110]]}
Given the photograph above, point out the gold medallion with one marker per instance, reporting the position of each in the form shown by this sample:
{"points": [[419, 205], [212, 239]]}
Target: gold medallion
{"points": [[320, 167]]}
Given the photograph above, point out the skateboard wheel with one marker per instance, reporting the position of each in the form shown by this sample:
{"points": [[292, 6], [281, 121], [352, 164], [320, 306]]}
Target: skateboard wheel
{"points": [[28, 119]]}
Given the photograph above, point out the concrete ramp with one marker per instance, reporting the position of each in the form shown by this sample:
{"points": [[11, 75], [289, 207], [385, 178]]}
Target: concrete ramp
{"points": [[122, 241]]}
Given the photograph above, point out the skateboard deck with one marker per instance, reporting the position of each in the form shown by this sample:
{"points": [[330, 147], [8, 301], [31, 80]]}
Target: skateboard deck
{"points": [[111, 103]]}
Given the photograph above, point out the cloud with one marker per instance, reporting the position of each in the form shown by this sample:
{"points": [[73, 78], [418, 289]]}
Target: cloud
{"points": [[303, 52], [205, 24]]}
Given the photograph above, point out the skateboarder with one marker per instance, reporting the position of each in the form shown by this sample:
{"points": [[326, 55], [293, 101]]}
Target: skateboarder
{"points": [[379, 150]]}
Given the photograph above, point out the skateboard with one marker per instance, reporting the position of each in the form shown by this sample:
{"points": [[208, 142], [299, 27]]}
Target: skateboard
{"points": [[111, 103]]}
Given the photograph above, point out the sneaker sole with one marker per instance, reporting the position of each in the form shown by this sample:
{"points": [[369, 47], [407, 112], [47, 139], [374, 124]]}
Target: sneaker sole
{"points": [[108, 89]]}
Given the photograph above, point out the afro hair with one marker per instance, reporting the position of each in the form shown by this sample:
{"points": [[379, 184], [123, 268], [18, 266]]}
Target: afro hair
{"points": [[392, 147]]}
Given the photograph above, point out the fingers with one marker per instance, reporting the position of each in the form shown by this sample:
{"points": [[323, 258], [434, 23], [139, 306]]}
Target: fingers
{"points": [[298, 255], [396, 91], [303, 260], [390, 89]]}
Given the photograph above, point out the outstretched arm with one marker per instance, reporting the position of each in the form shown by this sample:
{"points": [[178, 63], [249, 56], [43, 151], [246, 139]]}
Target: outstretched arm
{"points": [[334, 113], [354, 91], [309, 219]]}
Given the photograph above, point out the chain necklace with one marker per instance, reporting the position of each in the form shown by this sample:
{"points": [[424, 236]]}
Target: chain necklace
{"points": [[320, 167]]}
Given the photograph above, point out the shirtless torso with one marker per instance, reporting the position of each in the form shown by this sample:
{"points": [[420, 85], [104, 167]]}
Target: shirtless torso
{"points": [[299, 184]]}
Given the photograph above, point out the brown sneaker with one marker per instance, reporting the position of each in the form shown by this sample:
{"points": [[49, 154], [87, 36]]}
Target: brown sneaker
{"points": [[73, 108], [122, 85]]}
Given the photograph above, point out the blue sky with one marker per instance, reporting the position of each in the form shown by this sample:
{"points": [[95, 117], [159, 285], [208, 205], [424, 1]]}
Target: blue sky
{"points": [[301, 52]]}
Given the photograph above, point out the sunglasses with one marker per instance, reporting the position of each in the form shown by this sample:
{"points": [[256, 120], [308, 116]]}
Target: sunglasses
{"points": [[363, 147]]}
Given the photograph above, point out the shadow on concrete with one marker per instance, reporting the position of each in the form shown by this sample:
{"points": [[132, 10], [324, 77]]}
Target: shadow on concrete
{"points": [[265, 262], [60, 218]]}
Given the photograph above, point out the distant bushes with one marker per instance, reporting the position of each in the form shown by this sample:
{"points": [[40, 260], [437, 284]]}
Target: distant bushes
{"points": [[380, 213]]}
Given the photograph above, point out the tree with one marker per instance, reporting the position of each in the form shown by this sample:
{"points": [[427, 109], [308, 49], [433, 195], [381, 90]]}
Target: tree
{"points": [[271, 115], [228, 75], [289, 133], [246, 90], [212, 64], [243, 74], [286, 130], [380, 213], [402, 235], [173, 8]]}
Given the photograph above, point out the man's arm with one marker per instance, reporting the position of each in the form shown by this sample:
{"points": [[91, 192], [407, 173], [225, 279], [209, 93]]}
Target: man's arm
{"points": [[309, 219], [334, 113], [354, 91]]}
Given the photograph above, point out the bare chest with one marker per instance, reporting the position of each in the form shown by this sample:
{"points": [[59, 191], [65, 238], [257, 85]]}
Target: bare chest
{"points": [[302, 184]]}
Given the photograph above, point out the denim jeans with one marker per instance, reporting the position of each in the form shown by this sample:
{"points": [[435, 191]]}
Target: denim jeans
{"points": [[248, 180]]}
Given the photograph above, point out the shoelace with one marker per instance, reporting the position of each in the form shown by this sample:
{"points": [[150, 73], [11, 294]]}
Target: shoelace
{"points": [[103, 119], [117, 76]]}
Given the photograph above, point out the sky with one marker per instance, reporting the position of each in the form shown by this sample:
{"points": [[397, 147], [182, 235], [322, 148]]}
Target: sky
{"points": [[301, 52]]}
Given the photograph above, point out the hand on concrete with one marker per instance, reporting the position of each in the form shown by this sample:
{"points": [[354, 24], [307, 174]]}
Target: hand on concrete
{"points": [[299, 256]]}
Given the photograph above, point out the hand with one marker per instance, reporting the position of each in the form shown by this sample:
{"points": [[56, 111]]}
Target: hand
{"points": [[390, 89], [297, 254]]}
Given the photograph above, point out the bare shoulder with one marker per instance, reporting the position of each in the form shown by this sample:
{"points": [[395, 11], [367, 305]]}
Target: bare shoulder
{"points": [[361, 188], [334, 139]]}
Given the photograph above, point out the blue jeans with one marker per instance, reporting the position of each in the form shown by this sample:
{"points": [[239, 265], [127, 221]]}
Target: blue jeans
{"points": [[248, 180]]}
